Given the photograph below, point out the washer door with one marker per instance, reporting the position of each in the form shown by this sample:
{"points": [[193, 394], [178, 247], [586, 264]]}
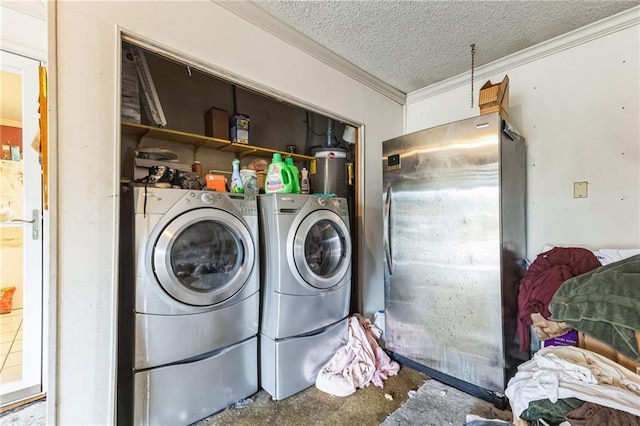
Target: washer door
{"points": [[322, 249], [203, 257]]}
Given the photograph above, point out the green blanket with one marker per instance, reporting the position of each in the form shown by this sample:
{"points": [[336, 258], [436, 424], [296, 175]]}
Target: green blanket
{"points": [[604, 304], [553, 413]]}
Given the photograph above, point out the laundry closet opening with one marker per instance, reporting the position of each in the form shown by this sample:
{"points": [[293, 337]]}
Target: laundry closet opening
{"points": [[182, 124]]}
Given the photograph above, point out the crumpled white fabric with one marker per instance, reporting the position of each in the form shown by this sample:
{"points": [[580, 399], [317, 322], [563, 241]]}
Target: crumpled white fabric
{"points": [[567, 371], [606, 256], [358, 363]]}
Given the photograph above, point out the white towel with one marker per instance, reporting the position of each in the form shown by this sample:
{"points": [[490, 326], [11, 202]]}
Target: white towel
{"points": [[358, 363], [566, 371]]}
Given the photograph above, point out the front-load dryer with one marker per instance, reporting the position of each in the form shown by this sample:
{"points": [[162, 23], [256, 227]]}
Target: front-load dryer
{"points": [[306, 287], [196, 303]]}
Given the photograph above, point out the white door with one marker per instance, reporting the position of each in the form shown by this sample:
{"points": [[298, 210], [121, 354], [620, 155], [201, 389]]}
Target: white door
{"points": [[21, 307]]}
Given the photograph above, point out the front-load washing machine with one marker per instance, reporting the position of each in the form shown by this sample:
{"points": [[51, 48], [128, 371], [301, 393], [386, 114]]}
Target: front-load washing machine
{"points": [[306, 287], [197, 300]]}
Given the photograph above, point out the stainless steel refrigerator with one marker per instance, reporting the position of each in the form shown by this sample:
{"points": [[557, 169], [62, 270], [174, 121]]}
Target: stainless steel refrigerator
{"points": [[454, 243]]}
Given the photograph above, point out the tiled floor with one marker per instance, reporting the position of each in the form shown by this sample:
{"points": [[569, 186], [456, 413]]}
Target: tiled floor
{"points": [[11, 346]]}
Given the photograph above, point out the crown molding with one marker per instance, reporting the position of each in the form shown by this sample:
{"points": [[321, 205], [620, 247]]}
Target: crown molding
{"points": [[37, 10], [252, 13], [602, 28]]}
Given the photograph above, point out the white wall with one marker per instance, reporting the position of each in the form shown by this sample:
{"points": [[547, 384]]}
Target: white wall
{"points": [[576, 99], [378, 129], [86, 89]]}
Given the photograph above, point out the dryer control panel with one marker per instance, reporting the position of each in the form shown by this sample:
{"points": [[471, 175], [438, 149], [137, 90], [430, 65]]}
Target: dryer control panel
{"points": [[339, 204]]}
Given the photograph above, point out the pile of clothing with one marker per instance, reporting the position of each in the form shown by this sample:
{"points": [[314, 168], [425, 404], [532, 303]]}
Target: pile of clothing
{"points": [[566, 383], [357, 364], [574, 289], [543, 278], [604, 304]]}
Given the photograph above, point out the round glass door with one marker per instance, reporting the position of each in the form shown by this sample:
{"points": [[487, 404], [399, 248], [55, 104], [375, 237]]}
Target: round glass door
{"points": [[322, 249], [203, 257]]}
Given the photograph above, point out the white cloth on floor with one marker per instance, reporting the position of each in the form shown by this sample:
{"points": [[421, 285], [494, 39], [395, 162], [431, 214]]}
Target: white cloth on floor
{"points": [[474, 418], [607, 256], [358, 363], [567, 371]]}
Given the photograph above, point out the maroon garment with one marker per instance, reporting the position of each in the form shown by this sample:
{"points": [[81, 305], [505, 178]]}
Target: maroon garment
{"points": [[543, 278]]}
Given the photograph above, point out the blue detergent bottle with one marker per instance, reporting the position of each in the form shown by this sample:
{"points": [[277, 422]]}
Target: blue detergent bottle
{"points": [[295, 175], [279, 178]]}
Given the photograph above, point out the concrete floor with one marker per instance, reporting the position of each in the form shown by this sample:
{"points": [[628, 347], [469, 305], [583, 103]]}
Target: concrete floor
{"points": [[438, 404], [367, 406], [410, 398], [31, 414]]}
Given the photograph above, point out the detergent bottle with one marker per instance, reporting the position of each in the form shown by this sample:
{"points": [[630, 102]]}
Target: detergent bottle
{"points": [[304, 181], [236, 180], [295, 179], [279, 177]]}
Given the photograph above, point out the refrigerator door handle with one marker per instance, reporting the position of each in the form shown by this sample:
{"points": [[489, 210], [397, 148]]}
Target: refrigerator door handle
{"points": [[387, 233]]}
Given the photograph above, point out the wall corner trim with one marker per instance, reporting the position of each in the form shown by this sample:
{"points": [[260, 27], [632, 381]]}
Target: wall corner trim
{"points": [[252, 13], [602, 28]]}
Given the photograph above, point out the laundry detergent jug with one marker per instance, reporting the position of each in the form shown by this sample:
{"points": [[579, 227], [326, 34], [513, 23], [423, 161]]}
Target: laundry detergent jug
{"points": [[279, 177], [295, 178]]}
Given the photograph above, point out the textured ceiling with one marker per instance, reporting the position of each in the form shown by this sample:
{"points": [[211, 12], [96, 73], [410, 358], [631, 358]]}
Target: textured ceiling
{"points": [[413, 44]]}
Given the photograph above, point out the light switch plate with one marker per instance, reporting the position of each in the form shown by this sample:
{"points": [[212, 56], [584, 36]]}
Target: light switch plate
{"points": [[580, 189]]}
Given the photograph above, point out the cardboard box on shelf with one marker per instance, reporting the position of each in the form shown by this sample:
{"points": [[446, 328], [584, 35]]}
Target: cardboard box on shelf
{"points": [[495, 97], [595, 345], [216, 124]]}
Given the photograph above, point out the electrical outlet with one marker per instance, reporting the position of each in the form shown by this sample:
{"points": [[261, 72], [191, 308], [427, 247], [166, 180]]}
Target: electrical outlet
{"points": [[580, 189]]}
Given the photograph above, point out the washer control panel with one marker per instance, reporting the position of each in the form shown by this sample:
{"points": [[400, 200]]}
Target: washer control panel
{"points": [[206, 198], [247, 209], [245, 204]]}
